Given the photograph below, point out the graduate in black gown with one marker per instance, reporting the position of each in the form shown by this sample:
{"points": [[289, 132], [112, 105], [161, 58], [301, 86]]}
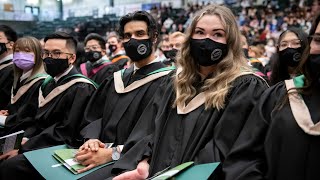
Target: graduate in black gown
{"points": [[29, 75], [62, 102], [291, 45], [176, 40], [7, 38], [115, 50], [282, 137], [118, 103], [98, 67], [200, 113], [255, 64]]}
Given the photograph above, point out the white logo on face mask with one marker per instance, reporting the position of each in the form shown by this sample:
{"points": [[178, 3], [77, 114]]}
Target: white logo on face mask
{"points": [[296, 57], [96, 55], [216, 54], [142, 49]]}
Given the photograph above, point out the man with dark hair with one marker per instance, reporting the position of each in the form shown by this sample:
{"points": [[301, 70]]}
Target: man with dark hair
{"points": [[98, 38], [62, 101], [116, 106], [97, 67], [117, 55], [7, 38]]}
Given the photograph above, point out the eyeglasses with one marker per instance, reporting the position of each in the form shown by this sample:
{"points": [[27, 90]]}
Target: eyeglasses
{"points": [[93, 48], [53, 54], [293, 44]]}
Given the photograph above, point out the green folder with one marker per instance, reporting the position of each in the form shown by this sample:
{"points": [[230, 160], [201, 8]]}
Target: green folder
{"points": [[199, 172], [44, 162], [170, 173], [187, 171], [66, 157]]}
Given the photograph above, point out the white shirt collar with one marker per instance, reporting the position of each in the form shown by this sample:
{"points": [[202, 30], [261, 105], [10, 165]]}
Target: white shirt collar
{"points": [[25, 75], [8, 57], [135, 68], [63, 74]]}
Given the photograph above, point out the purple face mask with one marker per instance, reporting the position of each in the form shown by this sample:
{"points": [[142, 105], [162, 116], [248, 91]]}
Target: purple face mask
{"points": [[24, 61]]}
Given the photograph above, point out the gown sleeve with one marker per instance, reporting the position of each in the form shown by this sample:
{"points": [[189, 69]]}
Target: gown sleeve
{"points": [[246, 159], [92, 121], [104, 73]]}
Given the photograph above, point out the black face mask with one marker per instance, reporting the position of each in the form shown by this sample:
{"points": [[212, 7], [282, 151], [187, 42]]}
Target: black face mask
{"points": [[246, 53], [291, 56], [112, 48], [207, 52], [3, 48], [171, 54], [93, 56], [313, 64], [55, 66], [138, 49]]}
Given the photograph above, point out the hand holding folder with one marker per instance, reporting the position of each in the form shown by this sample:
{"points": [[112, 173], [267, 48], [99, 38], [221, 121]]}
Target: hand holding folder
{"points": [[92, 159], [66, 157], [49, 167]]}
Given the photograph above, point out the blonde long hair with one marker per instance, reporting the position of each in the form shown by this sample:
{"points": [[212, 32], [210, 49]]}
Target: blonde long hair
{"points": [[226, 71], [34, 46]]}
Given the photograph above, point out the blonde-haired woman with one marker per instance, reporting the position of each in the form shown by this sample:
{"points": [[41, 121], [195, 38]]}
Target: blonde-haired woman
{"points": [[29, 74], [200, 111]]}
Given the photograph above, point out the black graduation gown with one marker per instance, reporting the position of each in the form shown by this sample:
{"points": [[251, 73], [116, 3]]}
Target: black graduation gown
{"points": [[258, 66], [58, 121], [6, 82], [122, 63], [273, 146], [201, 135], [112, 115], [25, 106], [104, 72], [116, 113]]}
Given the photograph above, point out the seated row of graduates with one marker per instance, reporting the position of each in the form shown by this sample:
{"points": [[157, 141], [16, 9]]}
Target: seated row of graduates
{"points": [[212, 108]]}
